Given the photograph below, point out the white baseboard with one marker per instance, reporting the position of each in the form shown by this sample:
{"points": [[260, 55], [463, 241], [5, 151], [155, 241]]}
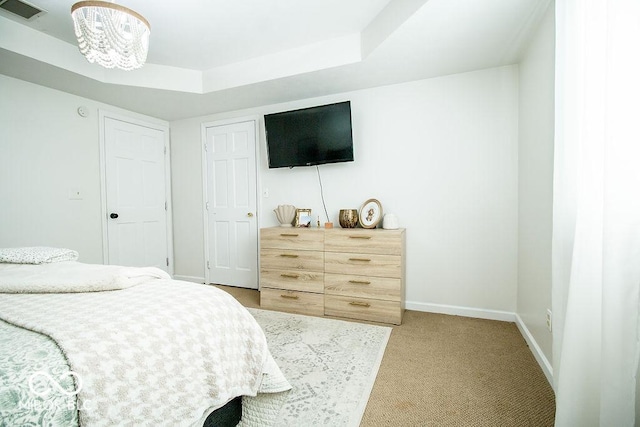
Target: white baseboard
{"points": [[536, 350], [189, 278], [504, 316], [454, 310]]}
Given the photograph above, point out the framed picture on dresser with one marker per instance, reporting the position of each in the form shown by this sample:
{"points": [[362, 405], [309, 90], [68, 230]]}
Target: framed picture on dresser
{"points": [[303, 218], [370, 213]]}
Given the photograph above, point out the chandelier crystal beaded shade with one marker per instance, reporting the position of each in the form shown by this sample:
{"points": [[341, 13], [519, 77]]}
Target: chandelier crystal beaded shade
{"points": [[111, 35]]}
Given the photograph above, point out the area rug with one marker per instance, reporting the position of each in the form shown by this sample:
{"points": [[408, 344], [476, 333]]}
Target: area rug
{"points": [[331, 365]]}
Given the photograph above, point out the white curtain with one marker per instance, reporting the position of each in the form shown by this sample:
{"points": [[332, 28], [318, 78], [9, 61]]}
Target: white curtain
{"points": [[596, 218]]}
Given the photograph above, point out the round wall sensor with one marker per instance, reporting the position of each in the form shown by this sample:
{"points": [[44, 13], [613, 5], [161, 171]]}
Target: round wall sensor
{"points": [[83, 111]]}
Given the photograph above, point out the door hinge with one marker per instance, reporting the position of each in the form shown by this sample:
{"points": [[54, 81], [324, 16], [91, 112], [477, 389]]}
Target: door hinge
{"points": [[167, 262], [165, 149], [205, 147], [208, 267], [165, 205], [207, 206]]}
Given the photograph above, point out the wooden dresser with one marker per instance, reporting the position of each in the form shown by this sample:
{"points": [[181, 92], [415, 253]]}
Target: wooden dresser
{"points": [[354, 273]]}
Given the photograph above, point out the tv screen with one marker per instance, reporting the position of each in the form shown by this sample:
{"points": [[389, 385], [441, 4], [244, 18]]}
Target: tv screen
{"points": [[310, 136]]}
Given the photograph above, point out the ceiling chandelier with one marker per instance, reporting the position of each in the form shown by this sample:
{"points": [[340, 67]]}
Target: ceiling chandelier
{"points": [[111, 35]]}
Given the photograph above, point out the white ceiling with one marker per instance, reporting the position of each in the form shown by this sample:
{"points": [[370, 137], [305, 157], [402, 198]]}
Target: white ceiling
{"points": [[208, 56]]}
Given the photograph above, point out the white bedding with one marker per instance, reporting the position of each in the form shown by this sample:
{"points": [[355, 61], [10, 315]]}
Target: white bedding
{"points": [[152, 351], [71, 276]]}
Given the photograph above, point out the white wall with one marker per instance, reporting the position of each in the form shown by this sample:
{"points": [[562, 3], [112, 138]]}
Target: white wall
{"points": [[47, 150], [439, 153], [536, 128]]}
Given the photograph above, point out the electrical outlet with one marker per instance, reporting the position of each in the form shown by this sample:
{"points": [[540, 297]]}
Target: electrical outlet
{"points": [[549, 320]]}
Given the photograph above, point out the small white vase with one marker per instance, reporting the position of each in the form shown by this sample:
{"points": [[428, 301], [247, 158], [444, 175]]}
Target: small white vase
{"points": [[390, 222], [285, 214]]}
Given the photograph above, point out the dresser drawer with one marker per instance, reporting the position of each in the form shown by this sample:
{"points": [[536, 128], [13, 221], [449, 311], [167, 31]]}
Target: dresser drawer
{"points": [[374, 241], [307, 281], [363, 308], [363, 286], [363, 264], [292, 238], [286, 259], [292, 301]]}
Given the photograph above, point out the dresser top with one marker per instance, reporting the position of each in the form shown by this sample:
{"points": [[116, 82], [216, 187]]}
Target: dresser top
{"points": [[333, 230]]}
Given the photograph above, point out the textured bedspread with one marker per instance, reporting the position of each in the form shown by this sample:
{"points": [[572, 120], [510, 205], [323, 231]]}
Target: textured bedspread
{"points": [[162, 352]]}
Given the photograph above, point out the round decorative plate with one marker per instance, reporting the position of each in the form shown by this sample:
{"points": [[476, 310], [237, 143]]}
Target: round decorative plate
{"points": [[370, 213]]}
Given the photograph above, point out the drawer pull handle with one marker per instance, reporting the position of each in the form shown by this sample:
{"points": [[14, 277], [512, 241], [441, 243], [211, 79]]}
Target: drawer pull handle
{"points": [[289, 296], [289, 256], [360, 282], [360, 237], [289, 234], [291, 276], [360, 304], [360, 259]]}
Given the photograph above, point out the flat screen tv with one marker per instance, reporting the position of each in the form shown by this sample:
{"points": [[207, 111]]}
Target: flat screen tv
{"points": [[310, 136]]}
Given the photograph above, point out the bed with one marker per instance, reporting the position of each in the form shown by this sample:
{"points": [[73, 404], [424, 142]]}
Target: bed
{"points": [[95, 345]]}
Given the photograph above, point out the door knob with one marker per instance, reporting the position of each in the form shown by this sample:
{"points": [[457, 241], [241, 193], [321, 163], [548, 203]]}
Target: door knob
{"points": [[114, 215], [249, 214]]}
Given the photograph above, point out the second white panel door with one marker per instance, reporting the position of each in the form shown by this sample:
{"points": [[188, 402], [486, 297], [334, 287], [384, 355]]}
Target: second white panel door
{"points": [[231, 205]]}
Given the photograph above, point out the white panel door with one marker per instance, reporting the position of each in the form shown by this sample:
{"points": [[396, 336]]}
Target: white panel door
{"points": [[231, 205], [135, 195]]}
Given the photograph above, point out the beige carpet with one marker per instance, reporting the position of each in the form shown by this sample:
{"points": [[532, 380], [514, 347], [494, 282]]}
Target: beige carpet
{"points": [[441, 370]]}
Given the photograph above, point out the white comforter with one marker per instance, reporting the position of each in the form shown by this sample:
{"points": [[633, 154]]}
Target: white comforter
{"points": [[152, 352]]}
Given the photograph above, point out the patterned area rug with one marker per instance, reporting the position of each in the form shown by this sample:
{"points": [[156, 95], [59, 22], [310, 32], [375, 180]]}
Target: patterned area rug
{"points": [[331, 365]]}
